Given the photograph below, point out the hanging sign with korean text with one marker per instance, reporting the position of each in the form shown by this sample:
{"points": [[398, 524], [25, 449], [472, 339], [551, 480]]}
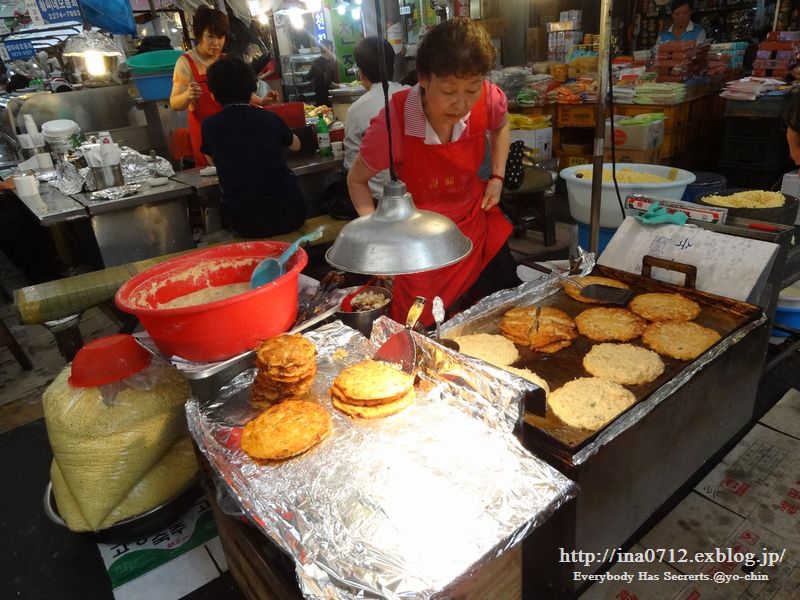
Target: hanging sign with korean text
{"points": [[16, 50], [43, 12]]}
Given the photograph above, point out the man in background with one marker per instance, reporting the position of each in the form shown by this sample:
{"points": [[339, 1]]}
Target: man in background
{"points": [[682, 28], [368, 53]]}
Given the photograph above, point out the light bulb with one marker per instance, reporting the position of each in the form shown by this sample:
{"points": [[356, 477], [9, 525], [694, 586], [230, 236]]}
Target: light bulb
{"points": [[356, 14], [95, 63], [296, 18], [313, 5], [263, 19], [358, 2], [341, 8]]}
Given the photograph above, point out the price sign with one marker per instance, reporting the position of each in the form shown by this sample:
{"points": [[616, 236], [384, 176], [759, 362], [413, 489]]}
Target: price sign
{"points": [[43, 12], [17, 50]]}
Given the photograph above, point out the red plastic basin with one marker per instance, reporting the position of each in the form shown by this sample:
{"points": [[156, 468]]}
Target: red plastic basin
{"points": [[216, 330]]}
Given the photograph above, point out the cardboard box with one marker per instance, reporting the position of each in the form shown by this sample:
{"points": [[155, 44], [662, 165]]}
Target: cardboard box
{"points": [[538, 140], [644, 157], [571, 160], [636, 137]]}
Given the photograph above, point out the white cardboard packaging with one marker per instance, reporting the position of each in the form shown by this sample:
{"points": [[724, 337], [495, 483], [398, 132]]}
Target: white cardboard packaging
{"points": [[540, 140]]}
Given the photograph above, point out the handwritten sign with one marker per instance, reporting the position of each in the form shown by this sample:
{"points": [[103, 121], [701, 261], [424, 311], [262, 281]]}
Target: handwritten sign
{"points": [[727, 265], [43, 12], [17, 50]]}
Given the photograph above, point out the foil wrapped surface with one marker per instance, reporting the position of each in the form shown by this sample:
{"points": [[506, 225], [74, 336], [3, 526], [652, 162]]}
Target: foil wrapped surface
{"points": [[115, 193], [399, 507]]}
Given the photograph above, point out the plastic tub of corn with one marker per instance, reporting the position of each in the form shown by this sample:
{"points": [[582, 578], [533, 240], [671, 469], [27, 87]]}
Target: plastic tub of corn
{"points": [[651, 180]]}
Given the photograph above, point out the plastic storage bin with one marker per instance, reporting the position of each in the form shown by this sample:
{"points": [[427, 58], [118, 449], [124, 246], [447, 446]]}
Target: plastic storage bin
{"points": [[705, 184], [605, 236], [788, 310], [154, 87]]}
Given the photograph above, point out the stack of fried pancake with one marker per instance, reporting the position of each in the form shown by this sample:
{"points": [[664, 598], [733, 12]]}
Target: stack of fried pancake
{"points": [[286, 367], [372, 389], [544, 329]]}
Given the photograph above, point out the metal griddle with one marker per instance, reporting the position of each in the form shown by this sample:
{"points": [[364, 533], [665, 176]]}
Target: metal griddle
{"points": [[722, 314]]}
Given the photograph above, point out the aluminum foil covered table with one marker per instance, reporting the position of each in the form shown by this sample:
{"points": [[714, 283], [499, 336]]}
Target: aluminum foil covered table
{"points": [[399, 507]]}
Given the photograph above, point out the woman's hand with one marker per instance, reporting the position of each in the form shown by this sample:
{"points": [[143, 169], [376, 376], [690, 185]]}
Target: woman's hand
{"points": [[194, 91], [491, 195]]}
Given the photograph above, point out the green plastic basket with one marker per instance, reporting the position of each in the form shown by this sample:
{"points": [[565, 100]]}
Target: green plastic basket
{"points": [[154, 63]]}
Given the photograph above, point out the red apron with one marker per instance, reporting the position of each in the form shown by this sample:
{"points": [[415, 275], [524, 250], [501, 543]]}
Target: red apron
{"points": [[204, 106], [444, 178]]}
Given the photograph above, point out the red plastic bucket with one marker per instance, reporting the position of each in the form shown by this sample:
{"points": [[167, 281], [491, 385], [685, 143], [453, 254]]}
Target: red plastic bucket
{"points": [[216, 330]]}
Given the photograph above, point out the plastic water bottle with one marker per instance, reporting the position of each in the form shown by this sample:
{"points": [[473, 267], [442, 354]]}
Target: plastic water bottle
{"points": [[323, 137]]}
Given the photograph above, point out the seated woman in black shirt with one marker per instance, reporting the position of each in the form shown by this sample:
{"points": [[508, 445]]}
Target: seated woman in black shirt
{"points": [[260, 195]]}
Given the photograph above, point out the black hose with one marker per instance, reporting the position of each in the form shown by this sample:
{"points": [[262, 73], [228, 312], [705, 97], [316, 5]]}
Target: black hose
{"points": [[613, 141]]}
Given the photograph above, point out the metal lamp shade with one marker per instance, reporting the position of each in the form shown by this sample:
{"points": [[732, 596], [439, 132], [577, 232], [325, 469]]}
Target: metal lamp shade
{"points": [[398, 239]]}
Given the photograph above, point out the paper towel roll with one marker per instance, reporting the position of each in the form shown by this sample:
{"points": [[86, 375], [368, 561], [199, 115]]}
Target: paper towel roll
{"points": [[26, 185], [30, 125]]}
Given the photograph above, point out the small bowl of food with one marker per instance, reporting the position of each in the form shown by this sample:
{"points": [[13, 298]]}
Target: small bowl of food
{"points": [[369, 304]]}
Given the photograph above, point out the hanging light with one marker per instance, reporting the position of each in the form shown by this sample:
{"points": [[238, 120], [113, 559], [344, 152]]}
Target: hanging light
{"points": [[356, 14], [313, 6], [296, 18], [398, 238], [263, 18], [94, 48], [341, 7]]}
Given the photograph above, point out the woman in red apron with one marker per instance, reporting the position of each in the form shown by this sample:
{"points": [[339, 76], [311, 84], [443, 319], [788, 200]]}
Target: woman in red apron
{"points": [[439, 132], [189, 86]]}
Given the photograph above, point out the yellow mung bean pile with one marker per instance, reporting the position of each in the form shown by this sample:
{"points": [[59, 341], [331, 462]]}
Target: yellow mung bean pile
{"points": [[625, 175], [750, 199]]}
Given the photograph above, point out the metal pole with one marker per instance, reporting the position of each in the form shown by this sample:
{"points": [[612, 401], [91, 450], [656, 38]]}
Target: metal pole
{"points": [[600, 123]]}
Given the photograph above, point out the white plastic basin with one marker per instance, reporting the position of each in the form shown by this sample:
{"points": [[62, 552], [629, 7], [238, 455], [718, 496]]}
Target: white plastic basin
{"points": [[579, 191]]}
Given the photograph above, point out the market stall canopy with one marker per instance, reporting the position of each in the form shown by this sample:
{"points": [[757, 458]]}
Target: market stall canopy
{"points": [[239, 8], [45, 36]]}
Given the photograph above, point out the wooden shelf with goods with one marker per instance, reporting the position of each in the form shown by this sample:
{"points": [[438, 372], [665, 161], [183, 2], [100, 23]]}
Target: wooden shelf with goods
{"points": [[687, 126]]}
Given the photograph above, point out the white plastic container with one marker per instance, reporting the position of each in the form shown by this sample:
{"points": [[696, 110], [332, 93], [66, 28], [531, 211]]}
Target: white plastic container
{"points": [[579, 190]]}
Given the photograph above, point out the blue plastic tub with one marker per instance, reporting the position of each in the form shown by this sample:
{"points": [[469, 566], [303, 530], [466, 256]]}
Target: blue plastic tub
{"points": [[788, 310], [706, 184], [154, 87], [606, 234], [786, 316]]}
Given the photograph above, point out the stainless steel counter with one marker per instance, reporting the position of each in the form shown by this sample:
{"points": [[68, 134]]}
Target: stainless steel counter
{"points": [[147, 195], [193, 178], [314, 175], [151, 223], [305, 165], [301, 165], [50, 206]]}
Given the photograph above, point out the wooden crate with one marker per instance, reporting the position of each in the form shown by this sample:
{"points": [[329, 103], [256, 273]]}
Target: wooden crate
{"points": [[674, 142], [677, 115], [576, 115]]}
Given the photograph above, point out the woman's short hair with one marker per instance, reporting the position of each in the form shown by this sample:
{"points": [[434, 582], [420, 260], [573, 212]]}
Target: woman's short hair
{"points": [[367, 57], [231, 80], [459, 47], [211, 20], [676, 4]]}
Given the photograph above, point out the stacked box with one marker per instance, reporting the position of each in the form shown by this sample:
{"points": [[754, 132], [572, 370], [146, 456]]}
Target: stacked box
{"points": [[680, 61], [777, 56]]}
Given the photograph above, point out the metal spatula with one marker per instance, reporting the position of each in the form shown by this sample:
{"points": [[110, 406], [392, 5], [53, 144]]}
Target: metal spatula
{"points": [[602, 293], [400, 349]]}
